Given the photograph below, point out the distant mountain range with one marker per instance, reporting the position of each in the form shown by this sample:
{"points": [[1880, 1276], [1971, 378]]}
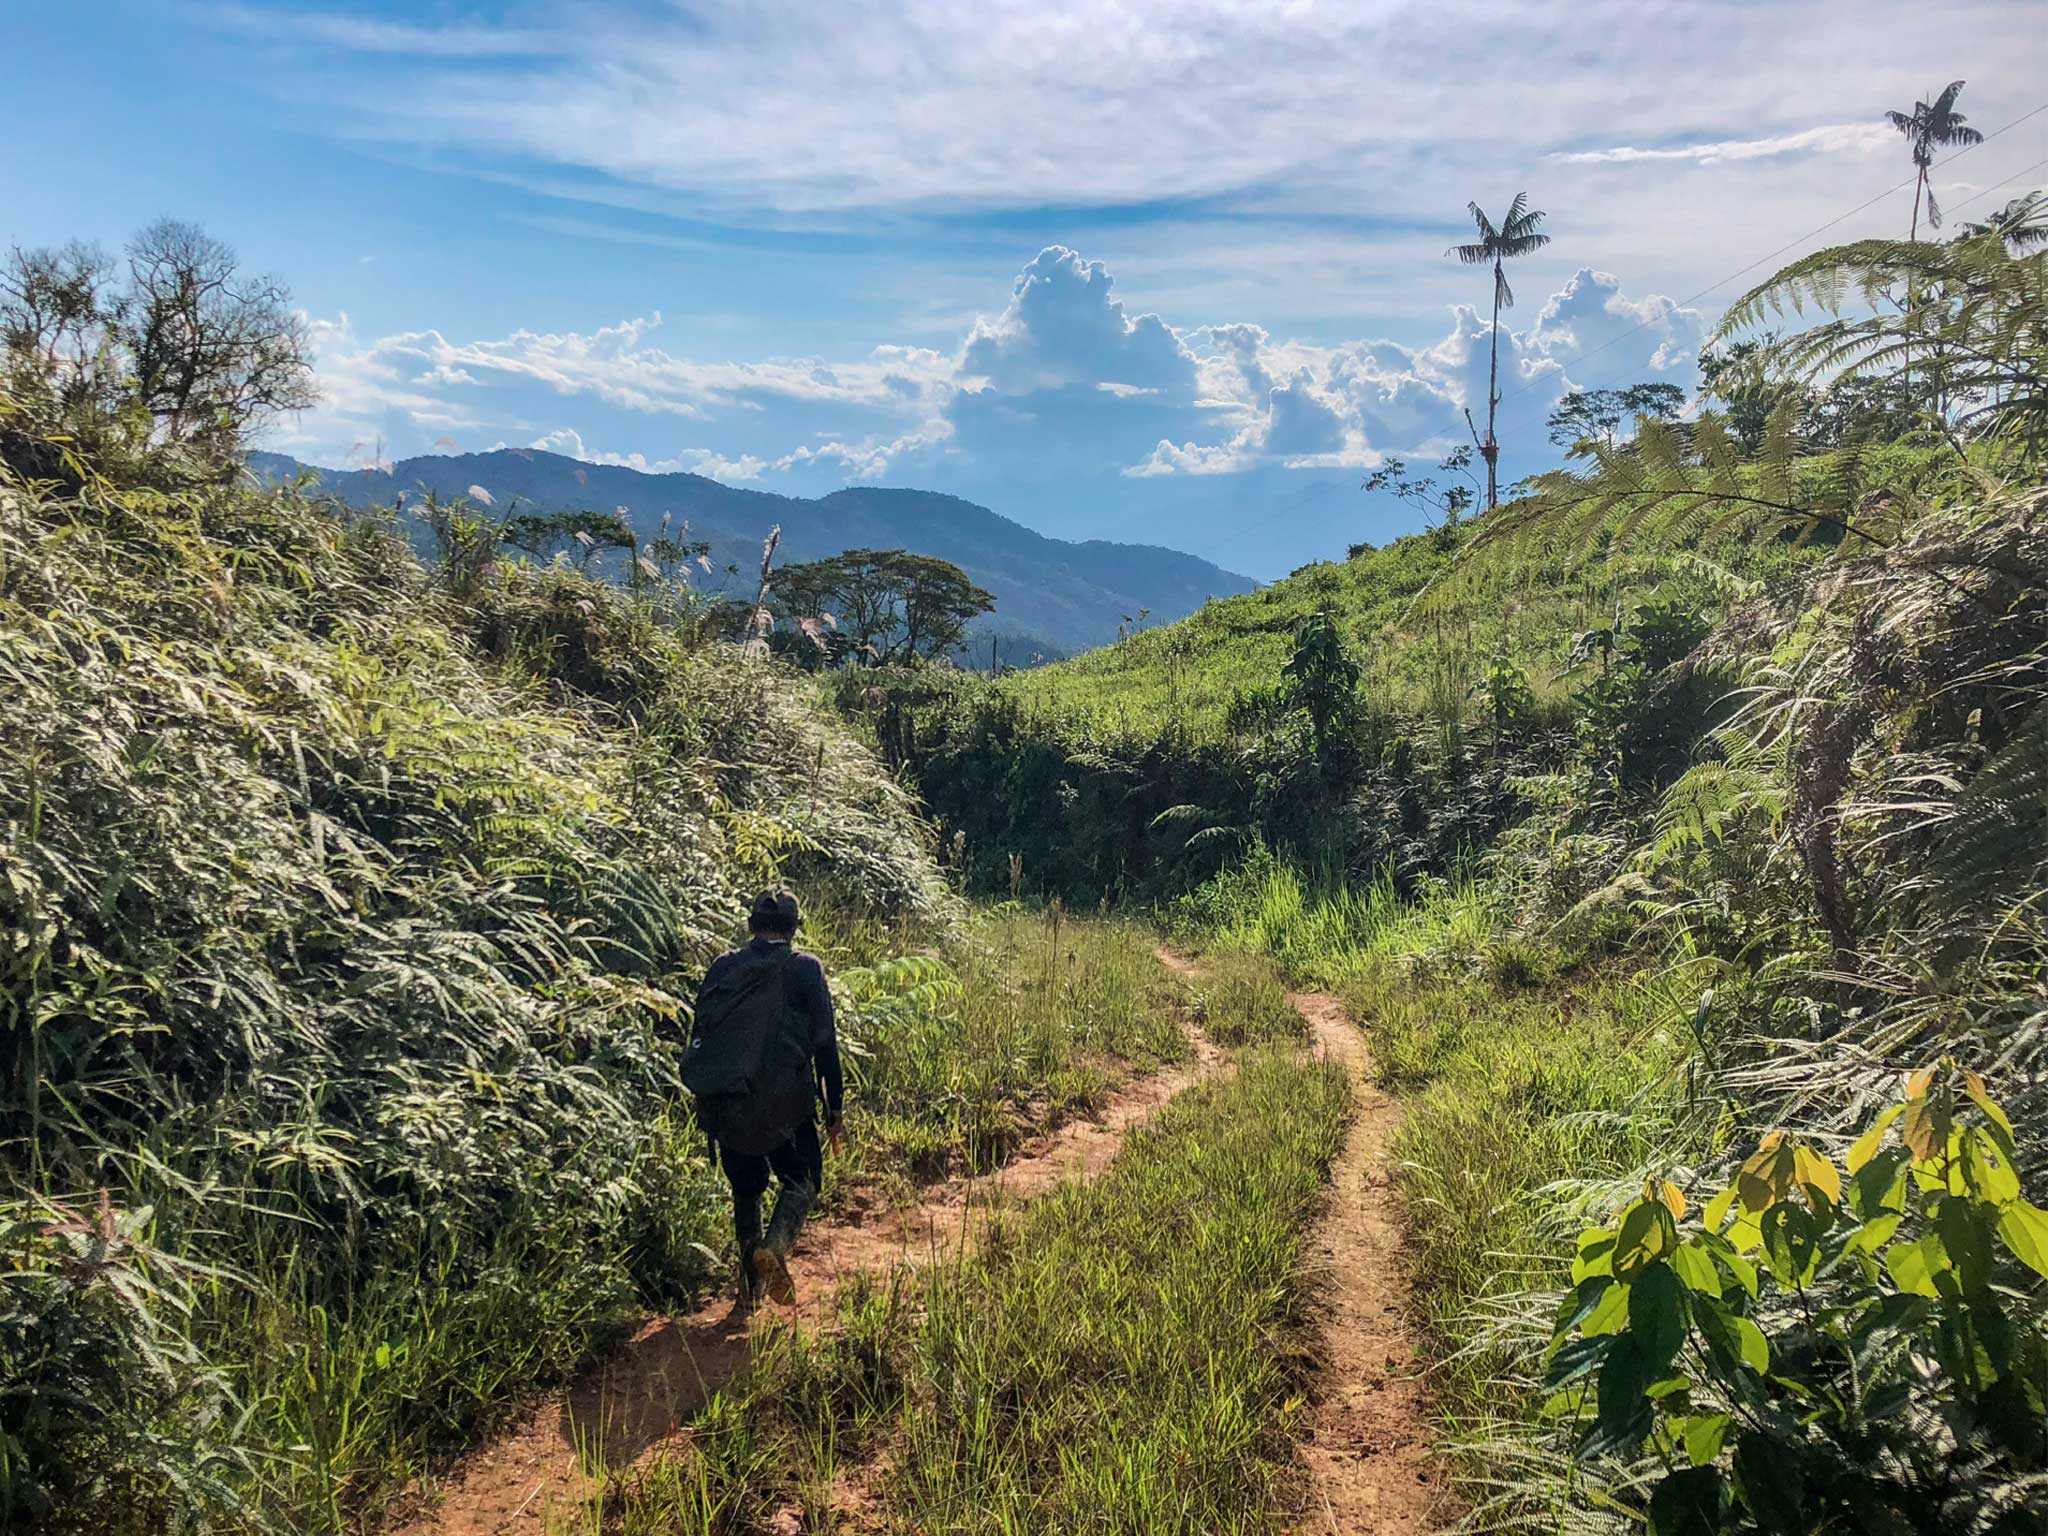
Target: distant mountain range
{"points": [[1055, 595]]}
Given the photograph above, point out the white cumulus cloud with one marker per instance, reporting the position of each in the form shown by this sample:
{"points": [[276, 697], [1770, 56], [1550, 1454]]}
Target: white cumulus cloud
{"points": [[1063, 386]]}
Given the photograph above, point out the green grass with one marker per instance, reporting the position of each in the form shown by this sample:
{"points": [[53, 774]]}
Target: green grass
{"points": [[355, 918], [1124, 1356], [1188, 673], [1039, 1018], [1526, 1109], [1239, 1000], [1535, 1086], [953, 1059]]}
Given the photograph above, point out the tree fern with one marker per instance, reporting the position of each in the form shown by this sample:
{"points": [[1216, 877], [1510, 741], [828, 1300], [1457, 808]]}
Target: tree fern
{"points": [[1675, 486], [1971, 315]]}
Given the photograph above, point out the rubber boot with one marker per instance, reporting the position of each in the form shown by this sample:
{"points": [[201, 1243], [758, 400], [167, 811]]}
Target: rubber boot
{"points": [[771, 1256], [746, 1229]]}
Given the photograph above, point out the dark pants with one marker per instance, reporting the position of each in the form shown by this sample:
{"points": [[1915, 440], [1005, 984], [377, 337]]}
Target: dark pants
{"points": [[799, 1160]]}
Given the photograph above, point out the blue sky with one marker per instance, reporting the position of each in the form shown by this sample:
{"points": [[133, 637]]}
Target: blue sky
{"points": [[1159, 272]]}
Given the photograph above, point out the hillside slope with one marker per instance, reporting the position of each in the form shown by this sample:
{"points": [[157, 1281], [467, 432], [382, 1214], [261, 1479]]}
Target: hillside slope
{"points": [[1069, 595], [1230, 654]]}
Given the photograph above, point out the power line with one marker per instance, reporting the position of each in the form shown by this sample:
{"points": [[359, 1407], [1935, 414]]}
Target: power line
{"points": [[1621, 336], [2019, 175]]}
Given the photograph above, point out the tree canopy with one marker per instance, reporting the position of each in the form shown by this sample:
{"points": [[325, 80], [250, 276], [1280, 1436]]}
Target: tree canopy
{"points": [[176, 347], [878, 606], [1600, 413]]}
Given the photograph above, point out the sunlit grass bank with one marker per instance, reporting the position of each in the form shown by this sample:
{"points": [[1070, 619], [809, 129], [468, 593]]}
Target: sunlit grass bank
{"points": [[355, 908], [1037, 1018]]}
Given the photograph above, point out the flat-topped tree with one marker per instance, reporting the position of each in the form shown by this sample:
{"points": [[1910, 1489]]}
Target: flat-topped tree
{"points": [[883, 605]]}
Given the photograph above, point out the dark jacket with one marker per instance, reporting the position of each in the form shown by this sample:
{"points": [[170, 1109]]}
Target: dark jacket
{"points": [[803, 991]]}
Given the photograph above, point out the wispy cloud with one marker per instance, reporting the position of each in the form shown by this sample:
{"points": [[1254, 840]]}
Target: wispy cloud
{"points": [[360, 34], [896, 106], [1832, 138]]}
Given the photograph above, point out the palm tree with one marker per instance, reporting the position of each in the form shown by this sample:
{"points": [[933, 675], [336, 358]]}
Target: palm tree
{"points": [[2021, 223], [1928, 127], [1517, 236]]}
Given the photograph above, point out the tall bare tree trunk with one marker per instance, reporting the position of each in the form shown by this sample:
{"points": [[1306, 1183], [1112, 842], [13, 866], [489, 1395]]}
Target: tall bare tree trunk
{"points": [[1919, 186], [1491, 450]]}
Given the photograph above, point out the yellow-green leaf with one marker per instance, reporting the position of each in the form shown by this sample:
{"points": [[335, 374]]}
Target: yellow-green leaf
{"points": [[1696, 1269], [1909, 1268], [1974, 1085], [1717, 1209], [1817, 1177], [1867, 1144], [1926, 1127], [2025, 1230], [1609, 1315], [1873, 1234], [1647, 1235], [1743, 1271], [1766, 1178], [1703, 1436], [1596, 1255], [1989, 1169], [1755, 1349]]}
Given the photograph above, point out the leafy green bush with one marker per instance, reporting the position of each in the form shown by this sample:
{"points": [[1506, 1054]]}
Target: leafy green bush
{"points": [[1804, 1355]]}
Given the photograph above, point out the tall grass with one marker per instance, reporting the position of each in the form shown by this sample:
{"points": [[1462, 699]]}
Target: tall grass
{"points": [[1323, 931], [1526, 1109], [1535, 1089], [1042, 1018]]}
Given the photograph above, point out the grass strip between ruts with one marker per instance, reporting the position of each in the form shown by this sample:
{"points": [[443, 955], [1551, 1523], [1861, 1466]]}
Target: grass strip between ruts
{"points": [[1127, 1355]]}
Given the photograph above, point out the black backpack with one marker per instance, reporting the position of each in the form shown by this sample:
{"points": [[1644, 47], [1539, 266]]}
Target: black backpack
{"points": [[748, 1064]]}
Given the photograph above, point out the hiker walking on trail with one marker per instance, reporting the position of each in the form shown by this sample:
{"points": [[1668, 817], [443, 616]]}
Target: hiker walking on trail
{"points": [[763, 1051]]}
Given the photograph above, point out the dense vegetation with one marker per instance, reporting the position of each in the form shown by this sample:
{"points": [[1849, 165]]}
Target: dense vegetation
{"points": [[1677, 830], [352, 908], [1656, 824]]}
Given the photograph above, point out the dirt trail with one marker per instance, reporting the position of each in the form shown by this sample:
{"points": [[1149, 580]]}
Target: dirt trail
{"points": [[618, 1415], [1367, 1451]]}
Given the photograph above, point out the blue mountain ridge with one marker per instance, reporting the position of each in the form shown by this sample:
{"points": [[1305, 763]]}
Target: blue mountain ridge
{"points": [[1056, 594]]}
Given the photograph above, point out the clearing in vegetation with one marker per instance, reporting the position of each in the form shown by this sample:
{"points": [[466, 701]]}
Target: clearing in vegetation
{"points": [[1130, 1345]]}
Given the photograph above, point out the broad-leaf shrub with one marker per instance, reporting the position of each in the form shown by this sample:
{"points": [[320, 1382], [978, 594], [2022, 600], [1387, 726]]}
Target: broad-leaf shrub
{"points": [[1813, 1352]]}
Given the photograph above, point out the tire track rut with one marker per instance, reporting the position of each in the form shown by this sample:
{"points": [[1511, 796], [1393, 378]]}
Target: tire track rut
{"points": [[1368, 1453]]}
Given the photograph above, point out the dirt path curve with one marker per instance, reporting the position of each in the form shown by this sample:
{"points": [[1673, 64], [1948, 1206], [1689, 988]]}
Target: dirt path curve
{"points": [[1368, 1449], [620, 1414]]}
